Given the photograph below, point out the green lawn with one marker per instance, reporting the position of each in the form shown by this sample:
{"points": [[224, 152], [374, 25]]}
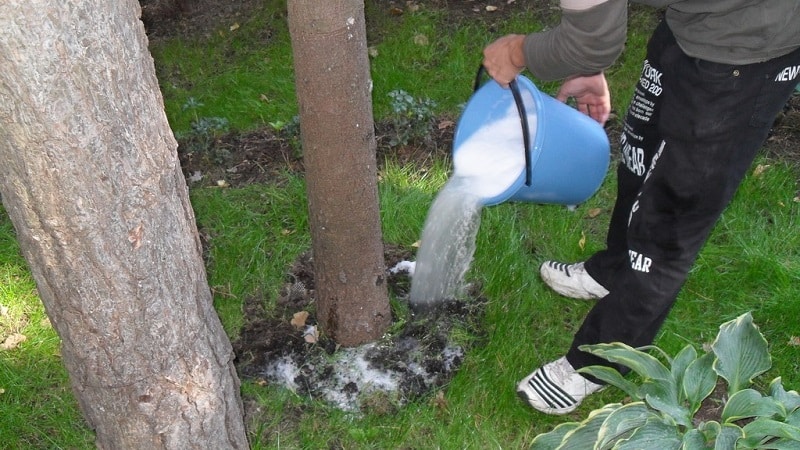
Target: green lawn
{"points": [[752, 261]]}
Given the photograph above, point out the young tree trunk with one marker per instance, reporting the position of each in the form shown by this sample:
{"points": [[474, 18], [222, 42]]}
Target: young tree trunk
{"points": [[334, 93], [92, 183]]}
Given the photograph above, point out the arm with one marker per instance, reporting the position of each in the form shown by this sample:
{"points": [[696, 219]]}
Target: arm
{"points": [[589, 38]]}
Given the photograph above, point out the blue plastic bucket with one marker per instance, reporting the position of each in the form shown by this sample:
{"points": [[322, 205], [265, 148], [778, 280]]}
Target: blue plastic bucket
{"points": [[567, 151]]}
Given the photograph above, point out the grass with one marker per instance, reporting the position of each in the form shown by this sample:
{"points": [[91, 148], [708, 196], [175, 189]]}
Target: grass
{"points": [[244, 76]]}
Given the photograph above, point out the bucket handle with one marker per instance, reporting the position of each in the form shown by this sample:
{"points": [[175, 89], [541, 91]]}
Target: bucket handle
{"points": [[523, 118]]}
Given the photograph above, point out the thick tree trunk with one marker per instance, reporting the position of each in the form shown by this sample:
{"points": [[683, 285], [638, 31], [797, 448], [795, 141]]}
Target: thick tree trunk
{"points": [[91, 180], [334, 94]]}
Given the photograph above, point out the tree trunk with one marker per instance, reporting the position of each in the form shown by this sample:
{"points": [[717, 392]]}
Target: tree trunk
{"points": [[338, 136], [92, 183]]}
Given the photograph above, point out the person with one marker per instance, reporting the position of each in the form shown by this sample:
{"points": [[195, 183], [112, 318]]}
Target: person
{"points": [[715, 76]]}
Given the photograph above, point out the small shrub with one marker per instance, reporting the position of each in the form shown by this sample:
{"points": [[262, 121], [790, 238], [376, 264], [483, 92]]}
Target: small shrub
{"points": [[290, 131], [411, 119], [665, 409], [204, 133]]}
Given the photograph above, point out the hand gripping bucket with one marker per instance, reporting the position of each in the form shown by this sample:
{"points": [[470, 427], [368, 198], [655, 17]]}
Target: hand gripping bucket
{"points": [[566, 153]]}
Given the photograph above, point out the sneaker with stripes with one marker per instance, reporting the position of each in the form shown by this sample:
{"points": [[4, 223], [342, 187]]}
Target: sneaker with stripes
{"points": [[571, 280], [556, 388]]}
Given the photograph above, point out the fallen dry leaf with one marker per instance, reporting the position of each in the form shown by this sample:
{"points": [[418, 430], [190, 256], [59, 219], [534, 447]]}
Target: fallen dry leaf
{"points": [[491, 8], [594, 212], [234, 27], [582, 241], [439, 401], [416, 244], [760, 169], [299, 320], [421, 39], [13, 341], [794, 341]]}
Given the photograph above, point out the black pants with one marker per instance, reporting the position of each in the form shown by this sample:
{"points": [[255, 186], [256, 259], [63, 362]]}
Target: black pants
{"points": [[691, 132]]}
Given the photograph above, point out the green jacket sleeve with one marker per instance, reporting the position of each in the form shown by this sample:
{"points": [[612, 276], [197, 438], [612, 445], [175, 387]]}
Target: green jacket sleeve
{"points": [[585, 42]]}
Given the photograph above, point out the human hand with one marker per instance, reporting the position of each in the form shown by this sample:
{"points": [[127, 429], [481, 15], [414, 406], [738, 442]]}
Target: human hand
{"points": [[590, 93], [504, 58]]}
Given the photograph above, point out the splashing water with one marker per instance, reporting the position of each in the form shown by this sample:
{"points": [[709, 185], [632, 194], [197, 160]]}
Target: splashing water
{"points": [[485, 166]]}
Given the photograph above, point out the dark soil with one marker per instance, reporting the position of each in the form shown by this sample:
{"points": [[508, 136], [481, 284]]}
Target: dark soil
{"points": [[420, 355]]}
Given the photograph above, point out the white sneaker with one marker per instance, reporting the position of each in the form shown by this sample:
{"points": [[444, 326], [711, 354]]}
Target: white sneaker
{"points": [[556, 388], [571, 280]]}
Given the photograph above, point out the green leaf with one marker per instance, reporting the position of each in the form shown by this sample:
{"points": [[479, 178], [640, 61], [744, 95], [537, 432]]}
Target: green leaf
{"points": [[654, 434], [750, 403], [694, 440], [781, 444], [699, 381], [710, 429], [666, 405], [789, 399], [621, 423], [793, 418], [640, 362], [585, 435], [727, 437], [612, 377], [741, 351], [761, 429], [552, 439], [680, 364]]}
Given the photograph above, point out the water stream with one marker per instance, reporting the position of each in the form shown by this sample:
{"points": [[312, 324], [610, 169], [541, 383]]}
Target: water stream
{"points": [[485, 166]]}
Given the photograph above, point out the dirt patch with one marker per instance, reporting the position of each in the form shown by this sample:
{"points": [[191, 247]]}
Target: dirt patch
{"points": [[283, 346]]}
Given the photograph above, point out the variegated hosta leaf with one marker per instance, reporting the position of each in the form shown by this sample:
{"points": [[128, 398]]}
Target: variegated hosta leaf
{"points": [[750, 403], [789, 399], [741, 351], [552, 439], [727, 437], [640, 362], [699, 381], [680, 364], [614, 378], [621, 424], [654, 434], [762, 429], [694, 440], [585, 435]]}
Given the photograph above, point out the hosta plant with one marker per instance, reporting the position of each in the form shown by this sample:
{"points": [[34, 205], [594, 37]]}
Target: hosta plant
{"points": [[666, 407]]}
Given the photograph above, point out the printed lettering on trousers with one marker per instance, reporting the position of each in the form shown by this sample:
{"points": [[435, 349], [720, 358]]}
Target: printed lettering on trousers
{"points": [[632, 157], [788, 74], [639, 262]]}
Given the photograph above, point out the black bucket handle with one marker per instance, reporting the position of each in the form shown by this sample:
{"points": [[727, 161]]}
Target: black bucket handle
{"points": [[523, 118]]}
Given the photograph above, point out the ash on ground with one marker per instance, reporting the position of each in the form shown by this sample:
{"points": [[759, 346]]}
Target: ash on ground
{"points": [[416, 358]]}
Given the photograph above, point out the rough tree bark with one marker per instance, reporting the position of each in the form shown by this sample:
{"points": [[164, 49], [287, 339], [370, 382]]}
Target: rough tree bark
{"points": [[91, 181], [337, 130]]}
